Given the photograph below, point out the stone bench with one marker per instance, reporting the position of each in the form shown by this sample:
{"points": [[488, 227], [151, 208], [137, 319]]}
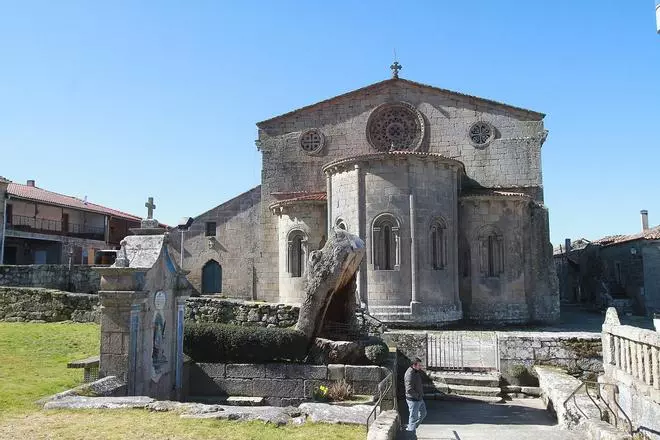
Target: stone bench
{"points": [[90, 365]]}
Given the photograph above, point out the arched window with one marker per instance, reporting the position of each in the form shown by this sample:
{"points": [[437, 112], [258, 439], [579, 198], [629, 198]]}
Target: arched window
{"points": [[297, 250], [438, 243], [491, 252], [386, 247]]}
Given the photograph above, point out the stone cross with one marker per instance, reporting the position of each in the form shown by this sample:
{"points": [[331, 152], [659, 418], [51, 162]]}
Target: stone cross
{"points": [[395, 69], [150, 208]]}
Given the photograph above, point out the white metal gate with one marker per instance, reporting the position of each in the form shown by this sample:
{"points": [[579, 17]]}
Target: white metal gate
{"points": [[463, 350]]}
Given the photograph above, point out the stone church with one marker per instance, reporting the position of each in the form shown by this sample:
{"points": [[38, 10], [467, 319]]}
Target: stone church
{"points": [[444, 188]]}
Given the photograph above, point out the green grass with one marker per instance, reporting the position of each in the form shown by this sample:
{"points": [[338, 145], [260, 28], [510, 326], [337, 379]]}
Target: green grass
{"points": [[33, 360]]}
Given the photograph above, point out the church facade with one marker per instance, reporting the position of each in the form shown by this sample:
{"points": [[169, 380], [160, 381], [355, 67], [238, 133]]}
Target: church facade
{"points": [[444, 188]]}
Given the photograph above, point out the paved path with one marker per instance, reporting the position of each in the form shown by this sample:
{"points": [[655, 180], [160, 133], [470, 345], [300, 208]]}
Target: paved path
{"points": [[519, 419]]}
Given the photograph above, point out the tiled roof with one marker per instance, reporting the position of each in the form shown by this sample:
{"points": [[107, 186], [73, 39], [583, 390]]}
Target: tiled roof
{"points": [[404, 81], [41, 195], [288, 198], [492, 192], [649, 234], [389, 154], [297, 196]]}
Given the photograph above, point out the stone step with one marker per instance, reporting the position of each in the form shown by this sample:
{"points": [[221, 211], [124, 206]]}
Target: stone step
{"points": [[462, 398], [466, 390], [228, 400], [460, 378]]}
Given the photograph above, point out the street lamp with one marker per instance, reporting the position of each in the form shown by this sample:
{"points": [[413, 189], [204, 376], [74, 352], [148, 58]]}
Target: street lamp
{"points": [[183, 226]]}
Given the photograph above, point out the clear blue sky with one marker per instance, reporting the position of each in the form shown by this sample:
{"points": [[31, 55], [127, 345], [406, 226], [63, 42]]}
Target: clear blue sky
{"points": [[121, 100]]}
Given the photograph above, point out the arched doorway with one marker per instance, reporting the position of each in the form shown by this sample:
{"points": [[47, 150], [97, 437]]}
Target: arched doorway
{"points": [[212, 277]]}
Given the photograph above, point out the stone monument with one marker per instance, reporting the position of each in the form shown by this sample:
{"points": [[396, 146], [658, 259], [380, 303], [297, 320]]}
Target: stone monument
{"points": [[142, 299]]}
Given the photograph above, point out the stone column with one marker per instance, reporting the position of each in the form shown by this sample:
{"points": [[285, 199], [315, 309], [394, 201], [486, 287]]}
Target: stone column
{"points": [[328, 182], [413, 256]]}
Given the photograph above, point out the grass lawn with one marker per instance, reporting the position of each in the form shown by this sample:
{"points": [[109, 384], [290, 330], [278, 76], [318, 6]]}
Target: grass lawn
{"points": [[33, 361]]}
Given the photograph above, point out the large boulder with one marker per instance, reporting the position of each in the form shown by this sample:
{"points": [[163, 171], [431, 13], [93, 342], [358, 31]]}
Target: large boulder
{"points": [[330, 283]]}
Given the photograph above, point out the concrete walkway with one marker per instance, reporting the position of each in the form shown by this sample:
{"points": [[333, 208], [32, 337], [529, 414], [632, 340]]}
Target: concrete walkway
{"points": [[519, 419]]}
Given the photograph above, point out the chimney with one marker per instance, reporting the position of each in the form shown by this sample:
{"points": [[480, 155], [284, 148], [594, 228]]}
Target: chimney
{"points": [[567, 245], [645, 219], [30, 183]]}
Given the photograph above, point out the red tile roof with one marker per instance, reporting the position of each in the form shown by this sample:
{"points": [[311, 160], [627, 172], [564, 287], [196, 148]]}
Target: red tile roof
{"points": [[649, 234], [41, 195], [288, 198], [296, 196]]}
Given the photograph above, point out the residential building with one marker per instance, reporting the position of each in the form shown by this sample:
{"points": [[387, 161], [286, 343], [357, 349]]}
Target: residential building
{"points": [[43, 227]]}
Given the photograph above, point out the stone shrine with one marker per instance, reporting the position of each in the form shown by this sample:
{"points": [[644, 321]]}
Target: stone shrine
{"points": [[444, 188], [142, 299]]}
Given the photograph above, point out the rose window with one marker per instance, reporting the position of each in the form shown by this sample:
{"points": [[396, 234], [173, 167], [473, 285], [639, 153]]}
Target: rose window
{"points": [[312, 141], [395, 127], [481, 133]]}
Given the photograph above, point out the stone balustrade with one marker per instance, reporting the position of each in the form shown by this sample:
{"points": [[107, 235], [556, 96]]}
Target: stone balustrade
{"points": [[633, 350], [631, 359]]}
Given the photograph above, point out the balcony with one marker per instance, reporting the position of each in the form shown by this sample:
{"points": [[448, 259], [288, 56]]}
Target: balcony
{"points": [[54, 227]]}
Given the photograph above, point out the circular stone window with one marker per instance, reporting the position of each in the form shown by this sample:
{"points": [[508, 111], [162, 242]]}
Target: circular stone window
{"points": [[312, 141], [394, 127], [481, 133]]}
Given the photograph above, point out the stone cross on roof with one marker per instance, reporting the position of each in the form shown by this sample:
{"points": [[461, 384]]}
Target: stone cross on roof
{"points": [[395, 69], [150, 208]]}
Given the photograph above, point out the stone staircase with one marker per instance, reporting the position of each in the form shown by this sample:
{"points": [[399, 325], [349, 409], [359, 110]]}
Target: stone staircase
{"points": [[228, 400], [469, 386], [391, 314]]}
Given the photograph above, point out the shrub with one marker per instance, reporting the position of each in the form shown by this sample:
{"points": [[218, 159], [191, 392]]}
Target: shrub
{"points": [[377, 353], [340, 390], [210, 342]]}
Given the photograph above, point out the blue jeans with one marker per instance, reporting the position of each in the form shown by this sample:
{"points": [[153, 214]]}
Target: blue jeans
{"points": [[417, 413]]}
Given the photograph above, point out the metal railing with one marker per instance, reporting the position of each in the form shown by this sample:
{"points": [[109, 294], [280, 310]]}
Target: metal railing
{"points": [[598, 396], [384, 388], [55, 227]]}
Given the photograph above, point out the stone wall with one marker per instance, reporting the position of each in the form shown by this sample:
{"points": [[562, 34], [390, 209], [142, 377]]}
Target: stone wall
{"points": [[234, 245], [20, 304], [80, 278], [278, 384], [246, 313], [579, 354]]}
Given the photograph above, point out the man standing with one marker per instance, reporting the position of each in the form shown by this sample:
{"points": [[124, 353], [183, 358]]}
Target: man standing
{"points": [[415, 396]]}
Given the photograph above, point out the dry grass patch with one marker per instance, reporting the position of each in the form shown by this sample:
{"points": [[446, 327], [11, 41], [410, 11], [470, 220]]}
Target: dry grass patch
{"points": [[144, 425]]}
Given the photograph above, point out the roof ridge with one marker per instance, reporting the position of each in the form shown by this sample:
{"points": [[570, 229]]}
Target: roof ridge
{"points": [[87, 204], [394, 81]]}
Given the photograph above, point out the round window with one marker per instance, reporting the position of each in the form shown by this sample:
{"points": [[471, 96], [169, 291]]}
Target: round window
{"points": [[312, 141], [481, 133], [396, 126]]}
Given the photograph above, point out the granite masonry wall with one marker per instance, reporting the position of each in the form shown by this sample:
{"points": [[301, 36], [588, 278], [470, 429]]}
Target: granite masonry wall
{"points": [[80, 278], [246, 313], [278, 384], [579, 354], [21, 304]]}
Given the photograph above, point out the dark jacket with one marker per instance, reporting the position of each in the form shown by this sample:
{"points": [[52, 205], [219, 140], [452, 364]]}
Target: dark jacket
{"points": [[413, 381]]}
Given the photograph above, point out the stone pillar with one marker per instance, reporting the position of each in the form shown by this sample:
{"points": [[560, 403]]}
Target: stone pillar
{"points": [[413, 256], [328, 181], [142, 299]]}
